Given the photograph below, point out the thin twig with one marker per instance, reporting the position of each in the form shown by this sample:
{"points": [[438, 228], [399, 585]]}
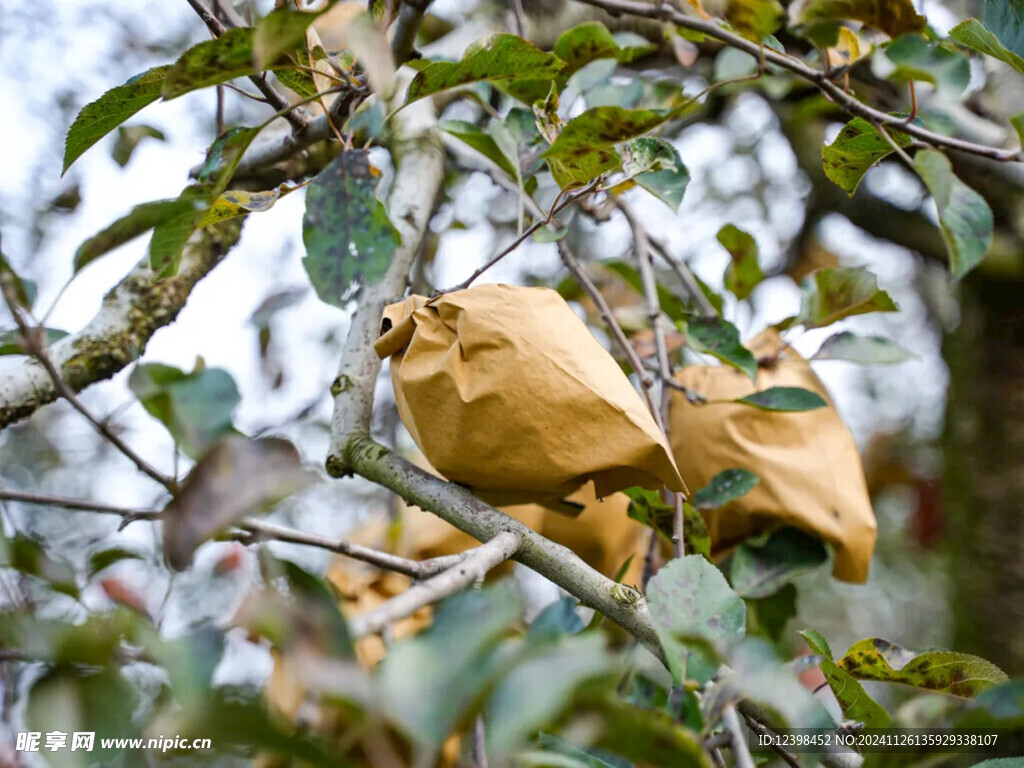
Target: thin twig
{"points": [[32, 341], [740, 752], [479, 743], [686, 277], [645, 265], [817, 77], [762, 730], [403, 40], [275, 99], [562, 204], [476, 565], [892, 143], [250, 529]]}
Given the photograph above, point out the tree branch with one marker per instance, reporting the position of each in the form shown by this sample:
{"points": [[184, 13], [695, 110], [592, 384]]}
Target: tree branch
{"points": [[274, 99], [419, 171], [458, 506], [33, 342], [665, 12], [251, 528], [131, 313], [477, 564]]}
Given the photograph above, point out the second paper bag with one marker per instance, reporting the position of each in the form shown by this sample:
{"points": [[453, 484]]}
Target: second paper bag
{"points": [[808, 464]]}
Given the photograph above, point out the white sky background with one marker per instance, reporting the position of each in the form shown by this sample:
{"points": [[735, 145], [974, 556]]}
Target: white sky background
{"points": [[54, 47]]}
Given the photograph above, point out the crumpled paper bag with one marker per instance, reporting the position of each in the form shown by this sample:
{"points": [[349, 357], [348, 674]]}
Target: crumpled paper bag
{"points": [[809, 467], [505, 390]]}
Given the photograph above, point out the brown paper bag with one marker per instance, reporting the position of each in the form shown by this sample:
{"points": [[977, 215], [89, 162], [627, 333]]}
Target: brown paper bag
{"points": [[809, 467], [505, 390]]}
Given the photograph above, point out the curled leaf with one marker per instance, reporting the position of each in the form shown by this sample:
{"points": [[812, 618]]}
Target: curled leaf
{"points": [[235, 477]]}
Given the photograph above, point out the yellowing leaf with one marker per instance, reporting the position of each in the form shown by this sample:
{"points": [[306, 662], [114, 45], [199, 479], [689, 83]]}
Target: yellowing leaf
{"points": [[958, 674], [853, 699], [755, 19], [821, 17]]}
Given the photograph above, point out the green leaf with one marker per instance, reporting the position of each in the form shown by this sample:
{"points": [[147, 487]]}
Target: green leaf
{"points": [[728, 485], [696, 616], [894, 17], [670, 304], [853, 699], [211, 62], [858, 146], [129, 138], [964, 217], [972, 33], [482, 142], [24, 290], [195, 407], [100, 117], [278, 32], [557, 748], [319, 607], [556, 620], [828, 295], [655, 165], [771, 614], [646, 507], [585, 147], [743, 273], [170, 236], [866, 350], [10, 341], [936, 63], [784, 399], [224, 155], [755, 19], [449, 664], [761, 567], [501, 59], [719, 337], [348, 235], [70, 701], [27, 556], [538, 689], [140, 219], [1006, 19], [958, 674], [590, 41], [1017, 121], [107, 557], [761, 676], [297, 80], [1001, 706]]}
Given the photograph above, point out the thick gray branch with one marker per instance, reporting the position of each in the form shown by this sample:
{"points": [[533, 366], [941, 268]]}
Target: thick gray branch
{"points": [[131, 313], [461, 508]]}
